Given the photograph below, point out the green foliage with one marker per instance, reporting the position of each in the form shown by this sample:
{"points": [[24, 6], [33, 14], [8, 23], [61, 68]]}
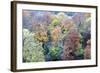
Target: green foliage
{"points": [[55, 22], [50, 27], [79, 51], [54, 52], [81, 39], [32, 50], [65, 30]]}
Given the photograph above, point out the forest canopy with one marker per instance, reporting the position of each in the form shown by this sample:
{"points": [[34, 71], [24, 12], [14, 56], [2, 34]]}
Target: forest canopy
{"points": [[56, 36]]}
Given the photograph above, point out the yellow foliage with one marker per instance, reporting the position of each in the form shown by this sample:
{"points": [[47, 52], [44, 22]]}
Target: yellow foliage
{"points": [[41, 36], [55, 33]]}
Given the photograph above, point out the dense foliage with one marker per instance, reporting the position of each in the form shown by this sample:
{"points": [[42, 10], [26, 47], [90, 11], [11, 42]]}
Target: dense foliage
{"points": [[55, 36]]}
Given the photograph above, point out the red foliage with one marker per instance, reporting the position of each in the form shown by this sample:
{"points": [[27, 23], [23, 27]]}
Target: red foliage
{"points": [[71, 42]]}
